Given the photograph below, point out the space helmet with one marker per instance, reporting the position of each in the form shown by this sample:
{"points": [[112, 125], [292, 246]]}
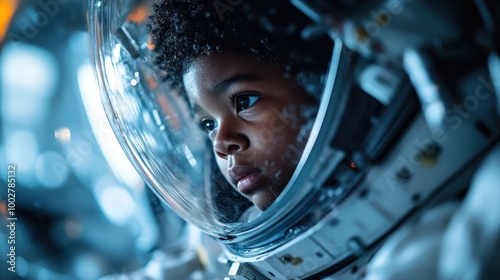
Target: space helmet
{"points": [[373, 152]]}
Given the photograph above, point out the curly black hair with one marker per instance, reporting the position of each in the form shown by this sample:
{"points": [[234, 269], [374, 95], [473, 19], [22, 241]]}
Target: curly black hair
{"points": [[182, 30]]}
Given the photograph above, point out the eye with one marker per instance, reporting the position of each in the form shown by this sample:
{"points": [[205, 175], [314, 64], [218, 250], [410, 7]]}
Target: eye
{"points": [[245, 101], [207, 124]]}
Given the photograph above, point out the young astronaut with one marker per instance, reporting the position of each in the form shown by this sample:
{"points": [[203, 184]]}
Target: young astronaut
{"points": [[252, 90]]}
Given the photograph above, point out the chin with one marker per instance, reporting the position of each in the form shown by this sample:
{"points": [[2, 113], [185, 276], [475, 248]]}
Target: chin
{"points": [[262, 200]]}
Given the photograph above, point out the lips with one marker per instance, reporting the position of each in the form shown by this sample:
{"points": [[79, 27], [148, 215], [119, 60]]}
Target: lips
{"points": [[244, 177]]}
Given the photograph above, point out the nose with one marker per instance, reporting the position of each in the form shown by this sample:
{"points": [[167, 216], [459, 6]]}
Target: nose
{"points": [[230, 139]]}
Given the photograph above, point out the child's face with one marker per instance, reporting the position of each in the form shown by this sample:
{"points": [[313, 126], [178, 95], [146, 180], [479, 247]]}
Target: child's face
{"points": [[255, 118]]}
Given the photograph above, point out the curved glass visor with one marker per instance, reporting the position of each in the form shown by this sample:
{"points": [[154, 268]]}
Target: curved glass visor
{"points": [[158, 131]]}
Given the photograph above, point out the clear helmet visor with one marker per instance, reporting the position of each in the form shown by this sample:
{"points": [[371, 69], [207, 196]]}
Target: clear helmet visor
{"points": [[186, 143]]}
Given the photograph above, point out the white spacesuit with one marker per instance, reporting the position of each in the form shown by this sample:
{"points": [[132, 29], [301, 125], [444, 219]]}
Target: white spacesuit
{"points": [[401, 172]]}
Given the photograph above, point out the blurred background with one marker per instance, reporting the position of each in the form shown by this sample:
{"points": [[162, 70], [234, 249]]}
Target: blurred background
{"points": [[82, 211]]}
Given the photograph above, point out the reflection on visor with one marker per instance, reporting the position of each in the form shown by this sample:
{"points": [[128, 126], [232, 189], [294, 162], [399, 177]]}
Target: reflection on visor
{"points": [[223, 146]]}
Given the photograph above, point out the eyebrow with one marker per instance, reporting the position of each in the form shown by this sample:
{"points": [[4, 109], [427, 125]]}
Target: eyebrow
{"points": [[223, 85]]}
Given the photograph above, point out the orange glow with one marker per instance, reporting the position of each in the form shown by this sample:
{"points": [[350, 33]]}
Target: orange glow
{"points": [[353, 165], [7, 10], [151, 82], [151, 45], [63, 135], [3, 208], [139, 14]]}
